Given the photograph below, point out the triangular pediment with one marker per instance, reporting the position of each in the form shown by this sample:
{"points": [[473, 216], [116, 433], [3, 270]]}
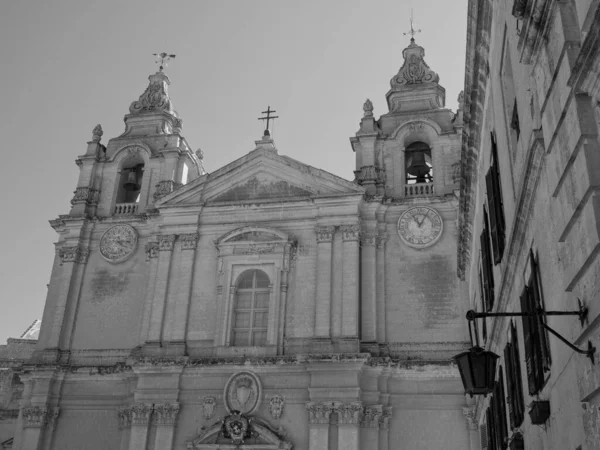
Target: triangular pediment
{"points": [[260, 176]]}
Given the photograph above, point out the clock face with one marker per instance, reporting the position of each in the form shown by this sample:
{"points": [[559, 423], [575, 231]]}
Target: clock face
{"points": [[118, 243], [420, 226]]}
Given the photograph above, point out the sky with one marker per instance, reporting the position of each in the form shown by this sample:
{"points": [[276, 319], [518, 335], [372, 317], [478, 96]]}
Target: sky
{"points": [[69, 65]]}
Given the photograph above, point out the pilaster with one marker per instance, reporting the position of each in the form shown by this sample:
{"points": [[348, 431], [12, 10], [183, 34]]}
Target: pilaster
{"points": [[368, 286], [165, 251], [152, 260], [124, 416], [323, 302], [380, 310], [369, 435], [166, 415], [176, 316], [38, 424], [349, 418], [350, 277], [140, 420], [384, 428], [319, 414]]}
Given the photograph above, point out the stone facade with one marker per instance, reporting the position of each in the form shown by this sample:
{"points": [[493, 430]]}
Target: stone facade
{"points": [[532, 94], [268, 303]]}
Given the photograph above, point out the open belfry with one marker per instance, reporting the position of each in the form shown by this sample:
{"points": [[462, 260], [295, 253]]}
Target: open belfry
{"points": [[266, 305]]}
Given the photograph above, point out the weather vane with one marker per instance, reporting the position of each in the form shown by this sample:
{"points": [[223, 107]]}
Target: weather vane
{"points": [[412, 31], [163, 59], [268, 118]]}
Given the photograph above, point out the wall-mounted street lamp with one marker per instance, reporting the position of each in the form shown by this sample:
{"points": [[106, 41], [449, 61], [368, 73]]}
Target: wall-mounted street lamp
{"points": [[477, 366]]}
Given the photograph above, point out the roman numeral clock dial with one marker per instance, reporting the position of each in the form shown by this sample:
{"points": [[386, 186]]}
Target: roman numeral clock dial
{"points": [[118, 243], [420, 226]]}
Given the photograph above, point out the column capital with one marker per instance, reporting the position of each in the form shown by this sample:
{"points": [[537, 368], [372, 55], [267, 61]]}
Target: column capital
{"points": [[381, 239], [469, 413], [369, 237], [140, 413], [166, 413], [85, 195], [319, 412], [124, 414], [40, 416], [75, 253], [165, 242], [371, 416], [350, 232], [349, 413], [384, 421], [151, 250], [324, 234], [189, 241]]}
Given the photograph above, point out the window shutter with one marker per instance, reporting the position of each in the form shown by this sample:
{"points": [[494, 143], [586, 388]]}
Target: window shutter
{"points": [[494, 195], [519, 401], [483, 436], [528, 342], [537, 302], [501, 401], [486, 262], [510, 383]]}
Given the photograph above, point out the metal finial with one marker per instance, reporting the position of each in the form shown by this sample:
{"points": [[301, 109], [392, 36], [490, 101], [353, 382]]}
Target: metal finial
{"points": [[268, 118], [163, 59], [412, 31]]}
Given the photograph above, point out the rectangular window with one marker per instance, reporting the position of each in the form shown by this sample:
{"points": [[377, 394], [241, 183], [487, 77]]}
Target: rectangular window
{"points": [[486, 265], [483, 308], [516, 402], [514, 123], [496, 208], [537, 351]]}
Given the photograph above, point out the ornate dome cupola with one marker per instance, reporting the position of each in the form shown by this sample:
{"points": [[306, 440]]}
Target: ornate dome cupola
{"points": [[415, 87], [153, 112]]}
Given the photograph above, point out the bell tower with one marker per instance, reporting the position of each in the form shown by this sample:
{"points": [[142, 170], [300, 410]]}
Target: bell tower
{"points": [[413, 150], [148, 161]]}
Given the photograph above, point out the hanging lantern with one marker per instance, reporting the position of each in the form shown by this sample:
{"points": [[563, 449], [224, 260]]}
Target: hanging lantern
{"points": [[477, 369]]}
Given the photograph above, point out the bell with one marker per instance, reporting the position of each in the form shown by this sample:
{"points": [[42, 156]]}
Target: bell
{"points": [[418, 168], [131, 184]]}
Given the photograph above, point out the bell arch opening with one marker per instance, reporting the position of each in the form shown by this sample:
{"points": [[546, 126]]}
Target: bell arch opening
{"points": [[418, 163]]}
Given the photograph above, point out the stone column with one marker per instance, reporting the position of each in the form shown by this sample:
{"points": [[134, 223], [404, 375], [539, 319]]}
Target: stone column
{"points": [[350, 278], [380, 296], [140, 419], [176, 317], [166, 414], [319, 414], [368, 286], [369, 435], [323, 300], [384, 428], [349, 417], [165, 250]]}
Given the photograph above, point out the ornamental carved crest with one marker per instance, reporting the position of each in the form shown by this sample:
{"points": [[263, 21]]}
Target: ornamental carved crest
{"points": [[209, 407], [276, 405], [236, 428], [243, 392]]}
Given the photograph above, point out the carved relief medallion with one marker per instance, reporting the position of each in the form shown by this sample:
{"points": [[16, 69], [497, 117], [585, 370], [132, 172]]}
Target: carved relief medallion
{"points": [[243, 392], [420, 226], [118, 243]]}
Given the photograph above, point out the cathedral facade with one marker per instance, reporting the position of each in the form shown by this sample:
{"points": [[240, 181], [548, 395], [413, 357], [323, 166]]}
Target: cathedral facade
{"points": [[266, 305]]}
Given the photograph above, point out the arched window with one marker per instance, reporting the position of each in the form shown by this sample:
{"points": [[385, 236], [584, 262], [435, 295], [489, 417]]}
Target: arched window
{"points": [[418, 163], [251, 311]]}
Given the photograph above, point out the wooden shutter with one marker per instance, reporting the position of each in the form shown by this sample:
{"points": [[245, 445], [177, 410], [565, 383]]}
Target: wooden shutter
{"points": [[486, 263], [501, 402], [519, 400], [510, 384], [494, 196], [537, 302], [528, 342]]}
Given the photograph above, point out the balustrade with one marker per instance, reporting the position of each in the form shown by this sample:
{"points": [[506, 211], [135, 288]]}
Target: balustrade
{"points": [[126, 208], [418, 189]]}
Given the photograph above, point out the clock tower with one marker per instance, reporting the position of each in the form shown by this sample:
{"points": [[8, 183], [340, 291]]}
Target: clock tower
{"points": [[408, 163]]}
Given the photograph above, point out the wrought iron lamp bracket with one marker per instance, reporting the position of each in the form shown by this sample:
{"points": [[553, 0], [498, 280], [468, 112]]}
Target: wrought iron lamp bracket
{"points": [[581, 313]]}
